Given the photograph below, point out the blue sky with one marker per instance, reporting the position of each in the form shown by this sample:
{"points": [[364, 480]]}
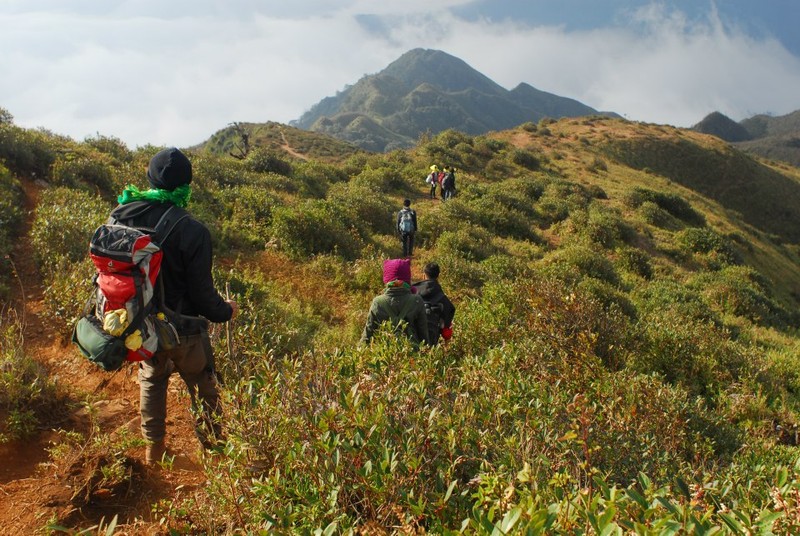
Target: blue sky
{"points": [[173, 73]]}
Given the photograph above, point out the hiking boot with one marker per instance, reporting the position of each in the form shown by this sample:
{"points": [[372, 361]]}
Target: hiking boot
{"points": [[155, 452]]}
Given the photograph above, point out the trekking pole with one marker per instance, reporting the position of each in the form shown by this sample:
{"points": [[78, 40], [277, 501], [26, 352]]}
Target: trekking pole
{"points": [[229, 335]]}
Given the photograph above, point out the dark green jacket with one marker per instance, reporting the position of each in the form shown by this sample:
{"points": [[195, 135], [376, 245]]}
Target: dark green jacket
{"points": [[394, 302]]}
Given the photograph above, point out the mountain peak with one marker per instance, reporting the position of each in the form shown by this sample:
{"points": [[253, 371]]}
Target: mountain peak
{"points": [[719, 125], [439, 69], [428, 90]]}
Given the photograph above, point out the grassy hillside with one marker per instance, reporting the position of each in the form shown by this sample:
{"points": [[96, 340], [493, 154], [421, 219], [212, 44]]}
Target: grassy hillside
{"points": [[281, 140], [625, 357]]}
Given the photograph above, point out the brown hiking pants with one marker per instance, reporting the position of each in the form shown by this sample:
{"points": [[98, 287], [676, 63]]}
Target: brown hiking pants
{"points": [[194, 361]]}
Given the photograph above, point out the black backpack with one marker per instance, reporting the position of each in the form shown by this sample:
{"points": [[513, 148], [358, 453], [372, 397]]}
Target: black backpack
{"points": [[433, 312]]}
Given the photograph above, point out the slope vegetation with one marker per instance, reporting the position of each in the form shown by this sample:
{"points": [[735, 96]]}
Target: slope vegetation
{"points": [[625, 357]]}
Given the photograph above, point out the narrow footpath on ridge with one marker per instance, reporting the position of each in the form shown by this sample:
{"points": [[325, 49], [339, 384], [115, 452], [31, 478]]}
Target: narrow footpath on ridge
{"points": [[35, 490]]}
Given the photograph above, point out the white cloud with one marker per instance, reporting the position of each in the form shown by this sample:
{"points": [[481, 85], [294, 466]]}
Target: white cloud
{"points": [[148, 76]]}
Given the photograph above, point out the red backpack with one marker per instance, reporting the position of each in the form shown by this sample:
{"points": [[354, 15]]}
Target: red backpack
{"points": [[127, 322]]}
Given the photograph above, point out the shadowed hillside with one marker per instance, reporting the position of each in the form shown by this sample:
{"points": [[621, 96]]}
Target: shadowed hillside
{"points": [[763, 196]]}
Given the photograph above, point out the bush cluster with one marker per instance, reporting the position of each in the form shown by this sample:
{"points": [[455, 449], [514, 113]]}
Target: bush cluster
{"points": [[10, 219], [65, 221], [674, 204]]}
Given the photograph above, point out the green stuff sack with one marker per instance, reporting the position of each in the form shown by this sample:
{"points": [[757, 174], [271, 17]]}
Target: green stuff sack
{"points": [[101, 348]]}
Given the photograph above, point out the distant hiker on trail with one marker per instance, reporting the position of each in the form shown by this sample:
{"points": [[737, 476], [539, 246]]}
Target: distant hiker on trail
{"points": [[189, 290], [407, 226], [440, 180], [433, 179], [439, 310], [397, 304], [448, 183]]}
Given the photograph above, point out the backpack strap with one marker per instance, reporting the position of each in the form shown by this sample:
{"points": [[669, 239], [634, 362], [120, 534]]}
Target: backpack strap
{"points": [[159, 234]]}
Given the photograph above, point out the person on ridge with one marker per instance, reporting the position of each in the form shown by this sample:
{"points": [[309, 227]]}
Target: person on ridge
{"points": [[189, 291], [397, 304], [439, 310], [407, 226], [433, 179]]}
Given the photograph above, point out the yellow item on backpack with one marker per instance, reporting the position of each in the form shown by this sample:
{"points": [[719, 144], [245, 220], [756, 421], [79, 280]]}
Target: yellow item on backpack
{"points": [[134, 340], [115, 322]]}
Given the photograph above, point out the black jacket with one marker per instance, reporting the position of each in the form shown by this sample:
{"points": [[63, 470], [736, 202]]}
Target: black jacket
{"points": [[432, 294], [186, 265]]}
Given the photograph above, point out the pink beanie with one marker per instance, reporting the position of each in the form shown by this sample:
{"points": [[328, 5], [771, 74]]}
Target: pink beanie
{"points": [[397, 269]]}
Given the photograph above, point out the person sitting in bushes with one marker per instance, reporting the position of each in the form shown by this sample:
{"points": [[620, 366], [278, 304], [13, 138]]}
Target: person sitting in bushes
{"points": [[439, 310], [397, 304]]}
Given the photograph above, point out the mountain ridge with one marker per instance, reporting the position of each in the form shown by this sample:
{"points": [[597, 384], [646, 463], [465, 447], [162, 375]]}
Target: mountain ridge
{"points": [[773, 137], [430, 91]]}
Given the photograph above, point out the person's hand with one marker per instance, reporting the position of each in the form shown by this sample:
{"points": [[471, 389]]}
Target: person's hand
{"points": [[234, 307]]}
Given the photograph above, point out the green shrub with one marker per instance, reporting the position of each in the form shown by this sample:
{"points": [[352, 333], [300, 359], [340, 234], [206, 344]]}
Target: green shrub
{"points": [[586, 261], [700, 357], [273, 323], [382, 180], [248, 216], [212, 172], [111, 146], [672, 203], [266, 161], [599, 225], [372, 213], [597, 165], [559, 199], [65, 221], [91, 171], [470, 242], [741, 291], [526, 159], [27, 396], [653, 214], [669, 295], [501, 219], [28, 153], [10, 219], [634, 261], [315, 227], [709, 242]]}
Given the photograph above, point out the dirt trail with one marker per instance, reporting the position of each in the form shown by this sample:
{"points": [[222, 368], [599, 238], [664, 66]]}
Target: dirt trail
{"points": [[31, 490], [288, 148]]}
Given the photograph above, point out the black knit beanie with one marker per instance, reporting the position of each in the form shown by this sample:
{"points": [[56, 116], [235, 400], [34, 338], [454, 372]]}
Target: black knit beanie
{"points": [[169, 169]]}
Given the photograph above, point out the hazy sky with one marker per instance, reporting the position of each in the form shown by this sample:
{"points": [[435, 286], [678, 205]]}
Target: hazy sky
{"points": [[174, 72]]}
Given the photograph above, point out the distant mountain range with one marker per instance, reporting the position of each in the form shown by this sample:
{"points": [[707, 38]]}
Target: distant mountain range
{"points": [[777, 138], [430, 91]]}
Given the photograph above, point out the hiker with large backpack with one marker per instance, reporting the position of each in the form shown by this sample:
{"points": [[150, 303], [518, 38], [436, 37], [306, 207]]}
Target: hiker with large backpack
{"points": [[433, 179], [398, 305], [439, 310], [189, 298], [406, 227], [448, 183]]}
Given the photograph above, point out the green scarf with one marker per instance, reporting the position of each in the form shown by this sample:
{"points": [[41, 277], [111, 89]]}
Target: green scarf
{"points": [[398, 283], [179, 196]]}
